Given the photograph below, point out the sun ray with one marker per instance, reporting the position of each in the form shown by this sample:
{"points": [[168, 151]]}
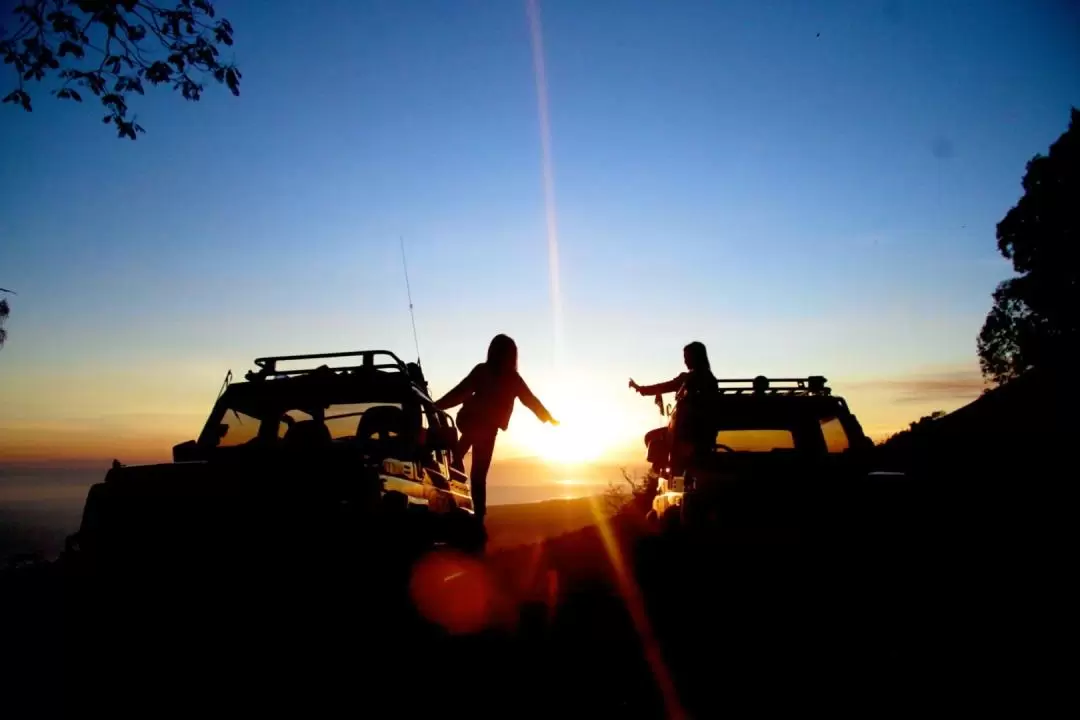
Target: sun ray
{"points": [[635, 605], [540, 75], [577, 440]]}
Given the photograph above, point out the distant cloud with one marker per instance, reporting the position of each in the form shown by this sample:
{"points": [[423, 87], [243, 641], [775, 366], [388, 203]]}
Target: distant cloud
{"points": [[945, 387]]}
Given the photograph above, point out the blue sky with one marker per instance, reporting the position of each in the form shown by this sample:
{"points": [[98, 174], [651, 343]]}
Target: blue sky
{"points": [[802, 203]]}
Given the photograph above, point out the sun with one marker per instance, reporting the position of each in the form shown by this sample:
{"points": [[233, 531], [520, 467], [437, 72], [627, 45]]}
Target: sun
{"points": [[569, 443], [589, 428]]}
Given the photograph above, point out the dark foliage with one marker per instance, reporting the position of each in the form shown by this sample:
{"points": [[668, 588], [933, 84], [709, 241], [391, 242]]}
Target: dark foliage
{"points": [[925, 424], [5, 310], [1035, 318], [110, 48], [926, 420]]}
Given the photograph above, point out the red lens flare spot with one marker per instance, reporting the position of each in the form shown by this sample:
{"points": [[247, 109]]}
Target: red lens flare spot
{"points": [[454, 591]]}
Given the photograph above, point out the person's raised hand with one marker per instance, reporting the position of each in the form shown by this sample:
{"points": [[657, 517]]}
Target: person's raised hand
{"points": [[553, 421], [634, 385]]}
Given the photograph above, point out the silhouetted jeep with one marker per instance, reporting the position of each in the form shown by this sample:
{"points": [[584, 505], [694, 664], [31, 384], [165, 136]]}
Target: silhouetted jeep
{"points": [[291, 464], [781, 453]]}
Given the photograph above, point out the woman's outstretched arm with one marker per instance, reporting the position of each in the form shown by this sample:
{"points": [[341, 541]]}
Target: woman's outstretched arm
{"points": [[533, 403], [460, 393], [660, 388]]}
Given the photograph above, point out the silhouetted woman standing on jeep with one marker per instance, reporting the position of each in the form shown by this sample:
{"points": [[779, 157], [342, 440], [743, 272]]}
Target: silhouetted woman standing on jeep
{"points": [[487, 397]]}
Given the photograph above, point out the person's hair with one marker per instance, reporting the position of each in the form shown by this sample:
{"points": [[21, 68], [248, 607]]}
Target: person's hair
{"points": [[502, 354], [697, 357]]}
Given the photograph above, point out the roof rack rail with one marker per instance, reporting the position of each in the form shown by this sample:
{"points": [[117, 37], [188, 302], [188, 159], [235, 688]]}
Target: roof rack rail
{"points": [[811, 385], [381, 360]]}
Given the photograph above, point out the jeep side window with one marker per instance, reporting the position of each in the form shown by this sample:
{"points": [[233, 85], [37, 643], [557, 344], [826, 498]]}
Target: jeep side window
{"points": [[836, 439], [756, 439], [294, 416], [430, 457], [238, 428], [432, 425]]}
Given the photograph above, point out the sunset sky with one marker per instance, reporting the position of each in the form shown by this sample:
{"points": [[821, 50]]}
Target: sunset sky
{"points": [[807, 188]]}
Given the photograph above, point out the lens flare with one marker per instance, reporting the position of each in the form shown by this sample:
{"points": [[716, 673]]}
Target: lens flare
{"points": [[540, 75], [455, 591]]}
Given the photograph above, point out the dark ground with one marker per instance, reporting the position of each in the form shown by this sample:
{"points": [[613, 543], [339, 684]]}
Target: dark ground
{"points": [[914, 605], [948, 593]]}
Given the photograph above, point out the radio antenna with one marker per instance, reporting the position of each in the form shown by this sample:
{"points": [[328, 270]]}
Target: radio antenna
{"points": [[408, 291]]}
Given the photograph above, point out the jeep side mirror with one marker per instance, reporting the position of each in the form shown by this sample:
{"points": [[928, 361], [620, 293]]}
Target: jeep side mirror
{"points": [[185, 451]]}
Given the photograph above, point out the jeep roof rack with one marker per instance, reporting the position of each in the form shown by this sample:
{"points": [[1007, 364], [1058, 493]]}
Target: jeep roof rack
{"points": [[381, 360], [811, 385]]}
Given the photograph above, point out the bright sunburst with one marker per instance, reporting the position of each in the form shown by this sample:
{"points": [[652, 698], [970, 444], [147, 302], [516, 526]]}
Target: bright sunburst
{"points": [[589, 429], [570, 443]]}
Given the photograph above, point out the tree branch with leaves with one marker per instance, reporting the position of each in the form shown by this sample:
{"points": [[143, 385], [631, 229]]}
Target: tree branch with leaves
{"points": [[5, 311], [111, 47]]}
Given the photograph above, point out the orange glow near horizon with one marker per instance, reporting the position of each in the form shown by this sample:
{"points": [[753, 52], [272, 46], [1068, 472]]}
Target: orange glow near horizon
{"points": [[66, 421], [590, 432], [65, 445]]}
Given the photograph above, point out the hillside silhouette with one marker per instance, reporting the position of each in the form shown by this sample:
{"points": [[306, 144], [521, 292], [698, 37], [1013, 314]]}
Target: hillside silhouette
{"points": [[1020, 426]]}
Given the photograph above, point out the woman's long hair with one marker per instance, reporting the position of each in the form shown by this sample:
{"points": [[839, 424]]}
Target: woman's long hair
{"points": [[697, 358], [502, 355]]}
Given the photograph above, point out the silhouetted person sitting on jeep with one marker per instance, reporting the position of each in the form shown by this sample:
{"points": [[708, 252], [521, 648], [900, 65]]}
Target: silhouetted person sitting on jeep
{"points": [[692, 387], [697, 378], [487, 397]]}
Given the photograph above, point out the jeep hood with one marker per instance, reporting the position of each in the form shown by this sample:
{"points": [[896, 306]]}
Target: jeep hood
{"points": [[202, 506]]}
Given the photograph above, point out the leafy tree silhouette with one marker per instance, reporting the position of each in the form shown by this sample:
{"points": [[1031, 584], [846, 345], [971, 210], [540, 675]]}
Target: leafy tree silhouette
{"points": [[5, 310], [927, 420], [1035, 318], [110, 47]]}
